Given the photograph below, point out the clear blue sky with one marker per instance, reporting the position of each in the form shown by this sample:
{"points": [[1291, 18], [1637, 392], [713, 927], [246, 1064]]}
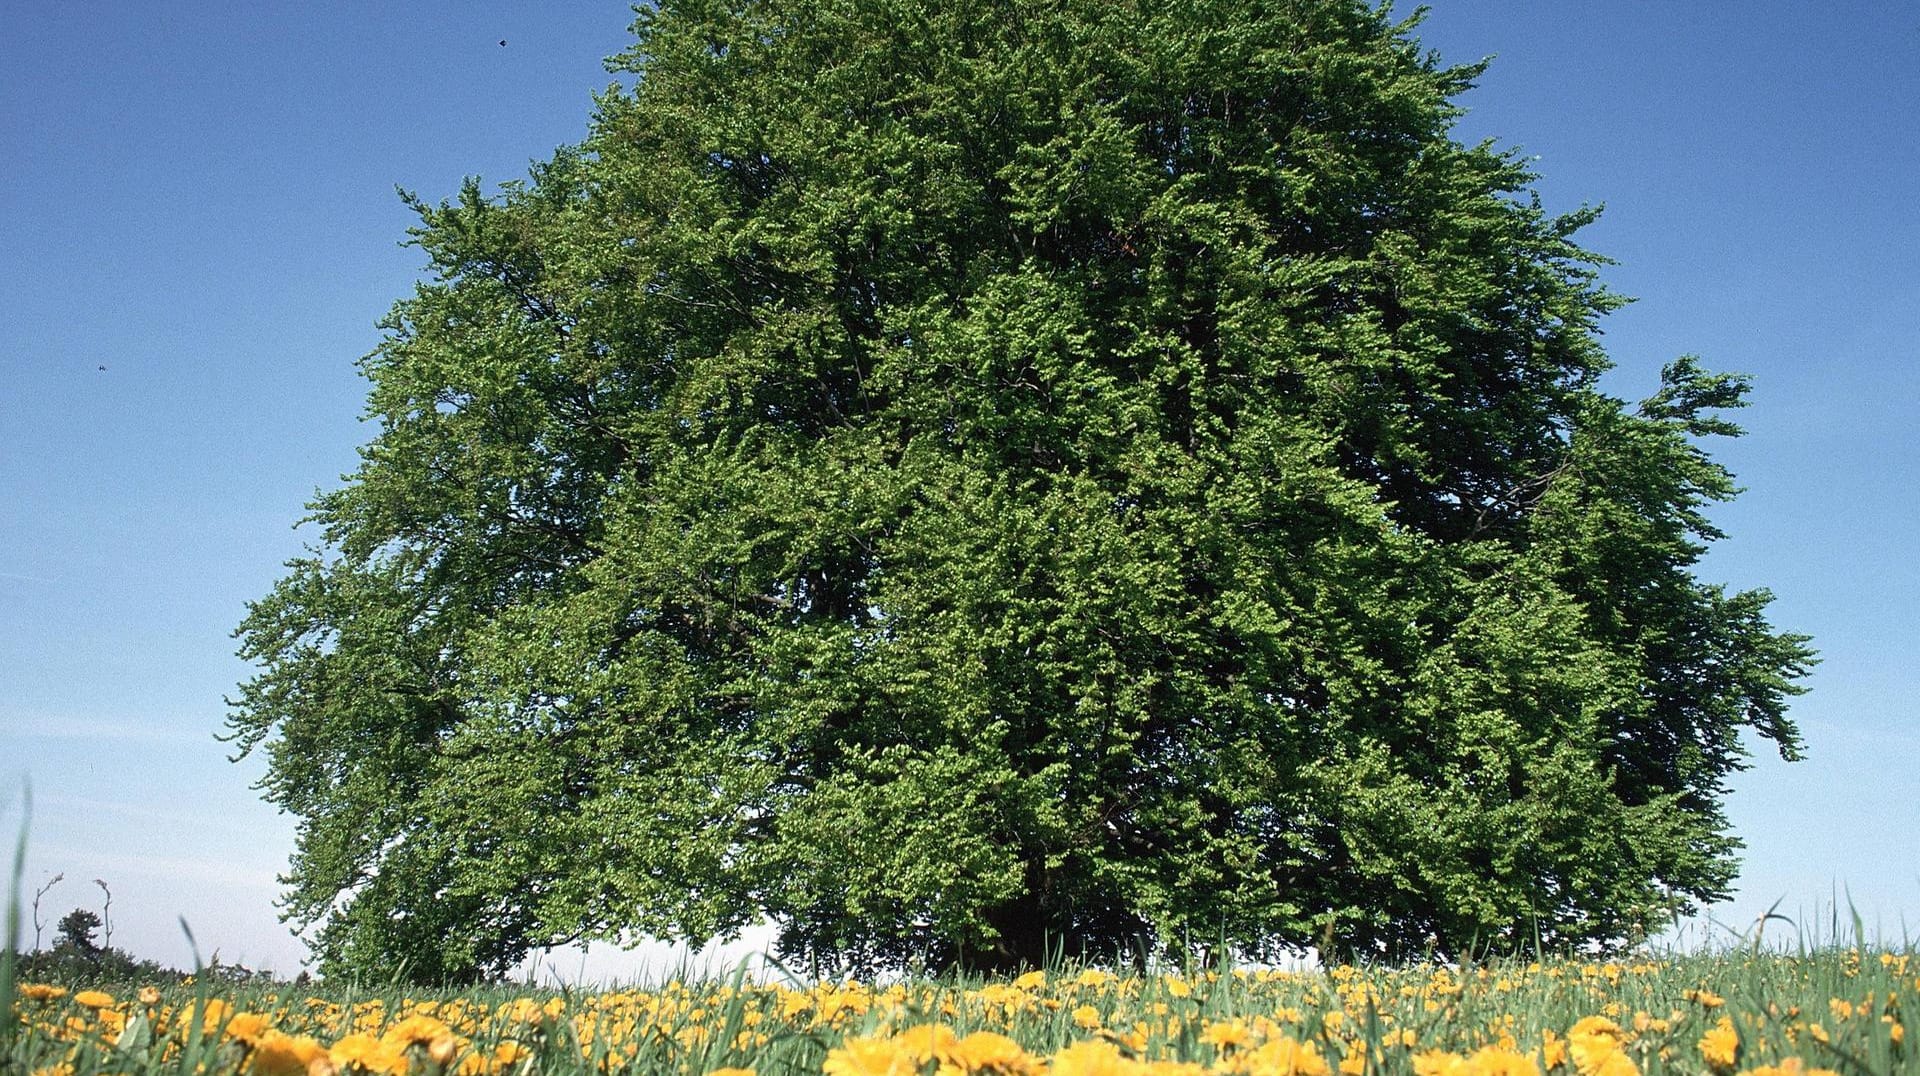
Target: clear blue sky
{"points": [[200, 197]]}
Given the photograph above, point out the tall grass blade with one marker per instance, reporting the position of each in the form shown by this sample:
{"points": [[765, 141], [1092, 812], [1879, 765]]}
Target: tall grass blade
{"points": [[8, 955]]}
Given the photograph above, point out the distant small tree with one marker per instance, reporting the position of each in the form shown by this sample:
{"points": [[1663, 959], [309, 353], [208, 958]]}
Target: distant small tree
{"points": [[76, 931]]}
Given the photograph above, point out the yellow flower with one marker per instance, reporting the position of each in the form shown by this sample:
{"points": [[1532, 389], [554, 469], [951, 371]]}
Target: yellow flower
{"points": [[926, 1042], [247, 1027], [1595, 1043], [149, 995], [864, 1056], [1792, 1066], [279, 1054], [731, 1072], [1086, 1016], [1595, 1026], [40, 992], [1226, 1034], [985, 1051], [416, 1030], [508, 1054], [1500, 1061], [1721, 1046], [1033, 980], [213, 1014], [1283, 1056], [522, 1011], [368, 1054], [1438, 1063], [1091, 1058], [93, 999], [428, 1032], [1553, 1049], [1706, 998]]}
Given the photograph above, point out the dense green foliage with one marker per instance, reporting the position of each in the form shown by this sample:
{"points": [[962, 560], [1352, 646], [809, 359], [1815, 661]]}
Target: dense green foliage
{"points": [[963, 478], [76, 931]]}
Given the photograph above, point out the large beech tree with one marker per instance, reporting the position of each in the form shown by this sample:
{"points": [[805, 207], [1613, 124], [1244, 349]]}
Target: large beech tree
{"points": [[961, 479]]}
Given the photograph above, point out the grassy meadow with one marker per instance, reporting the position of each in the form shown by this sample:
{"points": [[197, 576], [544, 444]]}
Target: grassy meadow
{"points": [[1837, 1010]]}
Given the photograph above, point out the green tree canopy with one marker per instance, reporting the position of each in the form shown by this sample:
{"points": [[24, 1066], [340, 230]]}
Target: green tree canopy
{"points": [[76, 932], [955, 479]]}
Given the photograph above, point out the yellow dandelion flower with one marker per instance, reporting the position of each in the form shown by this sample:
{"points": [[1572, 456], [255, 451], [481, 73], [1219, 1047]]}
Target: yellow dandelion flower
{"points": [[279, 1054], [731, 1072], [521, 1011], [1438, 1063], [1225, 1035], [1500, 1061], [1792, 1066], [506, 1055], [1285, 1056], [926, 1042], [865, 1056], [1613, 1063], [1094, 1057], [247, 1027], [1086, 1016], [1594, 1043], [987, 1052], [93, 999], [40, 992], [1720, 1046], [364, 1053], [213, 1014], [1706, 998], [418, 1028], [149, 995]]}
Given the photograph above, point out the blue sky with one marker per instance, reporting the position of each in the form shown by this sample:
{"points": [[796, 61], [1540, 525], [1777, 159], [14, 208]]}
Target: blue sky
{"points": [[200, 198]]}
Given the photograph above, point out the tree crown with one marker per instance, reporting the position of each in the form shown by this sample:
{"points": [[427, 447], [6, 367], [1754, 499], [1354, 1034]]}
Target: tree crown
{"points": [[961, 480]]}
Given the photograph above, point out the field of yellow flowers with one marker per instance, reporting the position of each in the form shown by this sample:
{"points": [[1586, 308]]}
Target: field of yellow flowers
{"points": [[1827, 1013]]}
